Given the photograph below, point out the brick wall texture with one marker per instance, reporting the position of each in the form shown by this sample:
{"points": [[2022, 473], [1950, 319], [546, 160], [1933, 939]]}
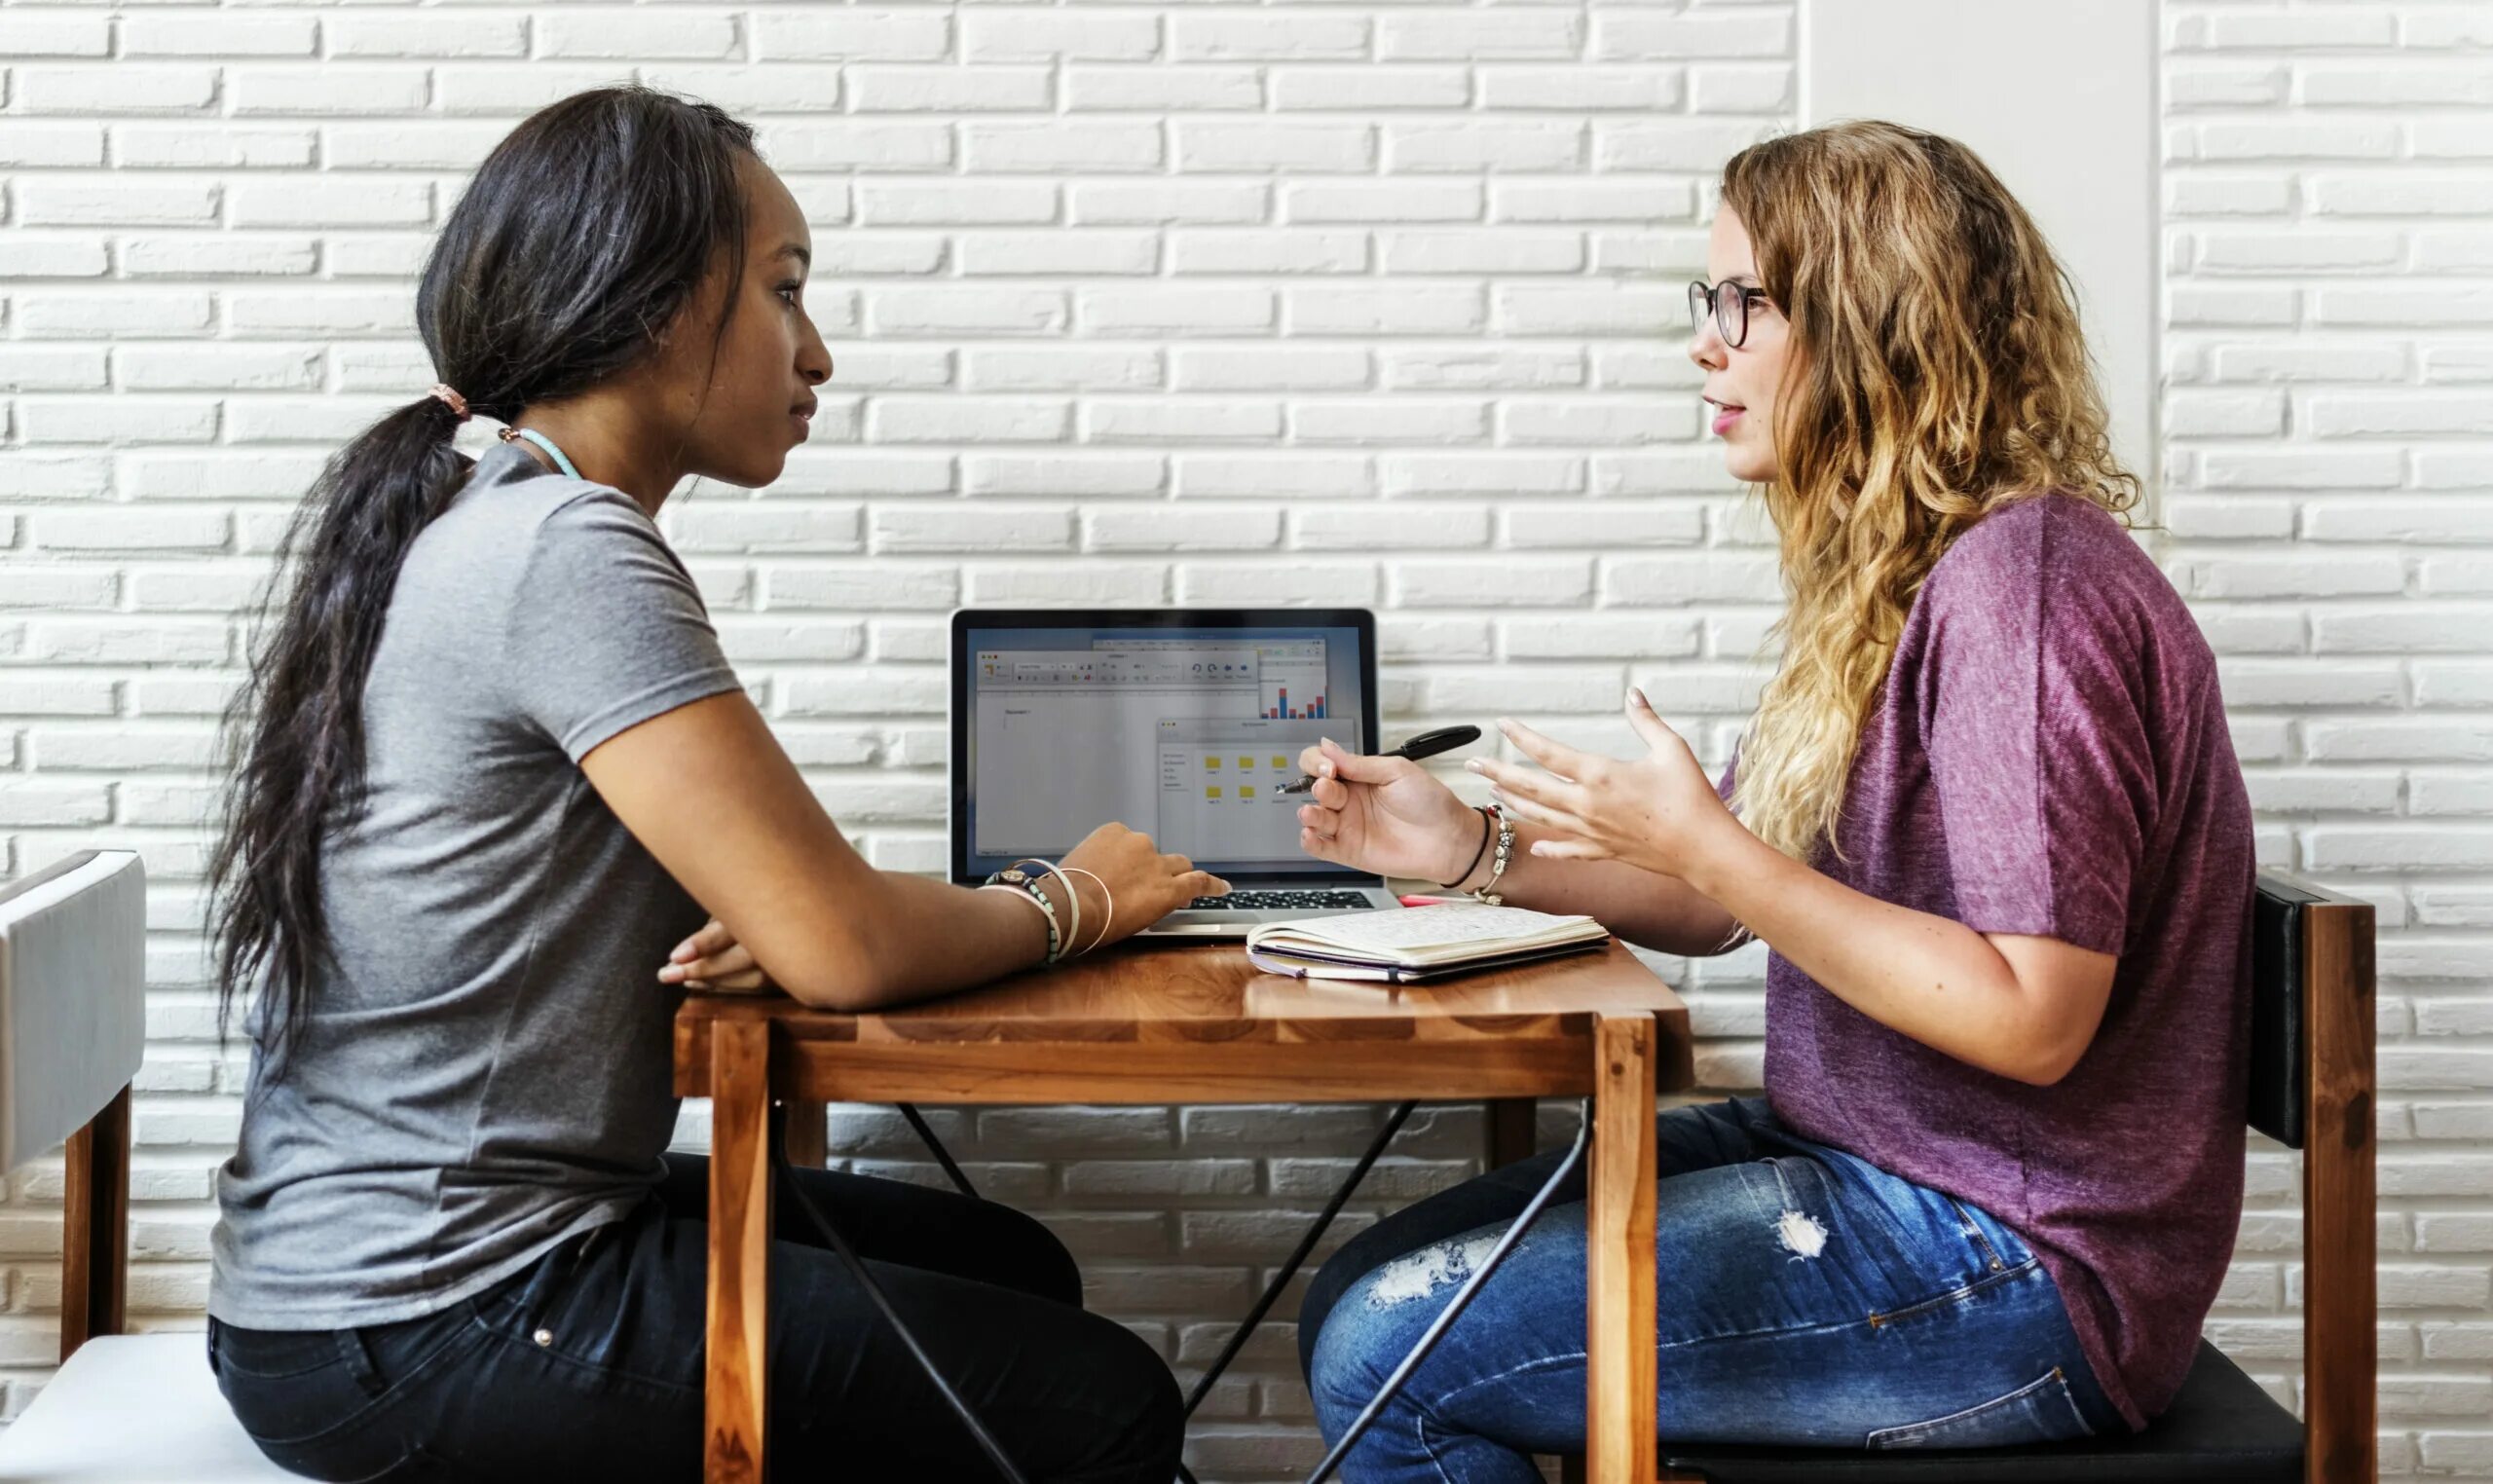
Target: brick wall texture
{"points": [[1217, 303]]}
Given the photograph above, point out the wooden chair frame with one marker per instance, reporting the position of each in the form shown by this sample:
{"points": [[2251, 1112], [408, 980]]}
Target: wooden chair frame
{"points": [[2340, 1338], [95, 1246]]}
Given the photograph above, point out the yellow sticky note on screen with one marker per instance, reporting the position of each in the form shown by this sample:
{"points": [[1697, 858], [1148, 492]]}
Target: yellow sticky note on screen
{"points": [[1246, 791], [1279, 763], [1212, 764]]}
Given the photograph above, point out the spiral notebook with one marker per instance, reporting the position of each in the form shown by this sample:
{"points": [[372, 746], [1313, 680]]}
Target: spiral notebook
{"points": [[1422, 943]]}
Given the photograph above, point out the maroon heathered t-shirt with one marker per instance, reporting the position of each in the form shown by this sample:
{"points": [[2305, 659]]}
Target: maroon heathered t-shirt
{"points": [[2050, 757]]}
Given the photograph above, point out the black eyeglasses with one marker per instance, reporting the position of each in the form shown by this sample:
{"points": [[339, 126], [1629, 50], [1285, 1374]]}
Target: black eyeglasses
{"points": [[1728, 303]]}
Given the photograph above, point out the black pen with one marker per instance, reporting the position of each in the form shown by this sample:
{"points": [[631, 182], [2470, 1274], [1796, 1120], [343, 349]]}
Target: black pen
{"points": [[1427, 744]]}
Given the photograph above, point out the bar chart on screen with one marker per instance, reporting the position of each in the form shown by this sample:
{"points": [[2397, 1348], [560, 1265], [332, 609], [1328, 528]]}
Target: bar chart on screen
{"points": [[1292, 679], [1281, 710]]}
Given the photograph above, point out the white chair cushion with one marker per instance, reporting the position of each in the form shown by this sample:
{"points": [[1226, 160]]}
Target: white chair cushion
{"points": [[132, 1409]]}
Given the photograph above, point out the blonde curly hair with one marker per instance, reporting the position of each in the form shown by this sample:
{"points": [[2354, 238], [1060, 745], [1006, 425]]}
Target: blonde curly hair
{"points": [[1937, 373]]}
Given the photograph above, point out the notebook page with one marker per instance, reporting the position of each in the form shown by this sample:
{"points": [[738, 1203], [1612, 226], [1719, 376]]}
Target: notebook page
{"points": [[1422, 927]]}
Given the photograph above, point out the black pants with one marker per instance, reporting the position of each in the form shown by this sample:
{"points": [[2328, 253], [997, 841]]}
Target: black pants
{"points": [[587, 1364]]}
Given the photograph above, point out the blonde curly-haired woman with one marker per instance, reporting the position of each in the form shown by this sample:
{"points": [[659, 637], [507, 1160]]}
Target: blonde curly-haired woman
{"points": [[1987, 820]]}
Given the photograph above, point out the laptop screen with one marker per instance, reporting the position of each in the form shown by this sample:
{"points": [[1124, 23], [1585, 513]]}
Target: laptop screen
{"points": [[1183, 726]]}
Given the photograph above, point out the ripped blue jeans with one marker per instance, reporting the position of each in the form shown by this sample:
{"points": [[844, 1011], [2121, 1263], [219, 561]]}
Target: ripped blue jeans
{"points": [[1806, 1297]]}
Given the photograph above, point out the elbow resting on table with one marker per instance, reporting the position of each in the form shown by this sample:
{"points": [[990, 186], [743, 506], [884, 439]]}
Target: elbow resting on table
{"points": [[838, 997], [842, 972]]}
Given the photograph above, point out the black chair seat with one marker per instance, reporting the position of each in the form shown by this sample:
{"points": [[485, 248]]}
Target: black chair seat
{"points": [[2220, 1428]]}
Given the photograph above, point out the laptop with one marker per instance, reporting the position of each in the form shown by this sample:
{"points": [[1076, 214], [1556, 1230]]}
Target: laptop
{"points": [[1180, 723]]}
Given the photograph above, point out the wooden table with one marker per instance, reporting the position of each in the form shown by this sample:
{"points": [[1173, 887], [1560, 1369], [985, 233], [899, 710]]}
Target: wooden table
{"points": [[1197, 1023]]}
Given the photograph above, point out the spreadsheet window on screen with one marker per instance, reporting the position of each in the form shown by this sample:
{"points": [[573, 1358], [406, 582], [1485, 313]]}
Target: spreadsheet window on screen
{"points": [[1186, 735]]}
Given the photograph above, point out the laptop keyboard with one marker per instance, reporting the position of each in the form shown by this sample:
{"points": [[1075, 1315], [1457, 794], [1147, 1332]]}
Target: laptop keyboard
{"points": [[1283, 901]]}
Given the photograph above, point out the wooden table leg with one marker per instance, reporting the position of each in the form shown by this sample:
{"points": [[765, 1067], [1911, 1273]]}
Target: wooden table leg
{"points": [[738, 1359], [809, 1134], [1511, 1130], [94, 1265], [1621, 1378]]}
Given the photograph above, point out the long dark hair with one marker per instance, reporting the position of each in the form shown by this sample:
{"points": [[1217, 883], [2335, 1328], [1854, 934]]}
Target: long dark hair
{"points": [[574, 248]]}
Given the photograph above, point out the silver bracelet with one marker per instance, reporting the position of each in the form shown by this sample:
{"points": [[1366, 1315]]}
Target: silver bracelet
{"points": [[1078, 949], [1487, 891]]}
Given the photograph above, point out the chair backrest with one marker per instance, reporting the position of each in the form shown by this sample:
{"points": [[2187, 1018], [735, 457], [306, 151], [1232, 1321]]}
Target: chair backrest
{"points": [[72, 996], [2312, 1031]]}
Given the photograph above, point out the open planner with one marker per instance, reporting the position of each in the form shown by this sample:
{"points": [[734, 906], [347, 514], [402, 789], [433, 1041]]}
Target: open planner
{"points": [[1420, 944]]}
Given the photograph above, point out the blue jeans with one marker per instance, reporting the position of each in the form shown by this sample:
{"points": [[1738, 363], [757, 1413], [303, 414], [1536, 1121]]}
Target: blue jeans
{"points": [[587, 1364], [1806, 1297]]}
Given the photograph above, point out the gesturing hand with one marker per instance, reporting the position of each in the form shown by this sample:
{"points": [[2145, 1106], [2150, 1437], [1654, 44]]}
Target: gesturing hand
{"points": [[1658, 812]]}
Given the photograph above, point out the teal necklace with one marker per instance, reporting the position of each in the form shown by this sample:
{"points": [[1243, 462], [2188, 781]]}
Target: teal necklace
{"points": [[514, 434]]}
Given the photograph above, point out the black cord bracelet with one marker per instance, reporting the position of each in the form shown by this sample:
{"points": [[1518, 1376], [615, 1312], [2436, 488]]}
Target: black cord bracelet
{"points": [[1465, 874]]}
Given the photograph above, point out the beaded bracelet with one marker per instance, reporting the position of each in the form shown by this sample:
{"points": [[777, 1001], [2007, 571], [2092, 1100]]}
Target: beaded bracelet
{"points": [[1072, 900]]}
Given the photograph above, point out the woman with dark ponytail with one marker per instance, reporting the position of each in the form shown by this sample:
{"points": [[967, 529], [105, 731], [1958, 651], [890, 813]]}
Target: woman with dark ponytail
{"points": [[490, 766]]}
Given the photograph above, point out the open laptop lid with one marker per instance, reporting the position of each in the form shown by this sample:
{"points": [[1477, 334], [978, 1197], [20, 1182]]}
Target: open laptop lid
{"points": [[1180, 723]]}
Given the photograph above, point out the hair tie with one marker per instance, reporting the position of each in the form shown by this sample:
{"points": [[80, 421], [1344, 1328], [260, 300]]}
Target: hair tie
{"points": [[456, 402]]}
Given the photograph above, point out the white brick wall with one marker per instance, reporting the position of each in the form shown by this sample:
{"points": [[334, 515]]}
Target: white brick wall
{"points": [[1172, 303], [2330, 336]]}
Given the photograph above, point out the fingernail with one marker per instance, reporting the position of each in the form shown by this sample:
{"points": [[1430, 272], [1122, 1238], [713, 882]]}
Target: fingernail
{"points": [[669, 974], [1328, 742], [1476, 766], [1636, 693]]}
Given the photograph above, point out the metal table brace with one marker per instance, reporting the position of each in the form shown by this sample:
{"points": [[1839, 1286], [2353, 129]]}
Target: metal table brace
{"points": [[1263, 1305]]}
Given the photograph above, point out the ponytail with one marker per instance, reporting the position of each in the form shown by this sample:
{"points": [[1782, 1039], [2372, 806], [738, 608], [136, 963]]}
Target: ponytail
{"points": [[302, 770]]}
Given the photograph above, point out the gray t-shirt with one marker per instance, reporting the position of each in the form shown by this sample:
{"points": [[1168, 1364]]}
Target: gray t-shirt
{"points": [[485, 1070]]}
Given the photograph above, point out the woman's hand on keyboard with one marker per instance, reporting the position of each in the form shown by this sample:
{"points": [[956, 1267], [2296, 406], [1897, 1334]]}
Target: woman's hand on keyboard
{"points": [[1387, 815], [712, 960], [1147, 885]]}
